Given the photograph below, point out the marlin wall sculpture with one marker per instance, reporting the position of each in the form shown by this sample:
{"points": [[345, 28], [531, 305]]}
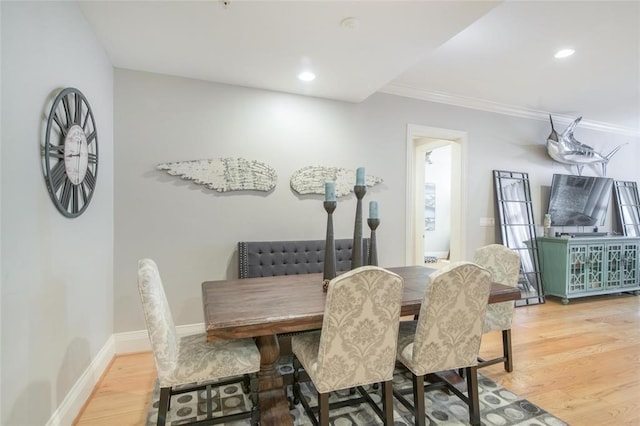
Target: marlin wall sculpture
{"points": [[564, 148]]}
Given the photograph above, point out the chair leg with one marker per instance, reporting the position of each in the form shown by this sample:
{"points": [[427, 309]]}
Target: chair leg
{"points": [[472, 392], [387, 402], [418, 400], [506, 349], [295, 387], [323, 408], [163, 405], [255, 412], [246, 383]]}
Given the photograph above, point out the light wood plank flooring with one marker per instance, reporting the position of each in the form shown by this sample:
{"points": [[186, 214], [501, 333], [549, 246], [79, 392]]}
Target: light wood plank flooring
{"points": [[580, 362]]}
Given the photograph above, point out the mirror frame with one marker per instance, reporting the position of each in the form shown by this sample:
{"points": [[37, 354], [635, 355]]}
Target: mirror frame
{"points": [[628, 202], [530, 280]]}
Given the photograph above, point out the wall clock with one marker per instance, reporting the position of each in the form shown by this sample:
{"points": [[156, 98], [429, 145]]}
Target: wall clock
{"points": [[70, 153]]}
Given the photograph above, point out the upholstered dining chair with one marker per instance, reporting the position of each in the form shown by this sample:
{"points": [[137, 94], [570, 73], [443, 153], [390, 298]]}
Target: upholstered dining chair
{"points": [[504, 265], [191, 359], [357, 343], [446, 336], [275, 258]]}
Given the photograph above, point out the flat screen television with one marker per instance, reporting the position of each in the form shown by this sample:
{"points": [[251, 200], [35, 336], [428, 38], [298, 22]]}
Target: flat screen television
{"points": [[579, 200]]}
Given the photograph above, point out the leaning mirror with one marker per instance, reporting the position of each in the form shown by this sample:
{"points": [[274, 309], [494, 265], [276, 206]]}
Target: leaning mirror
{"points": [[628, 207], [518, 232]]}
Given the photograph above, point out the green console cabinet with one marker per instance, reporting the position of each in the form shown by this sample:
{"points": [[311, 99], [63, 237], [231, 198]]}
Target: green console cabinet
{"points": [[586, 266]]}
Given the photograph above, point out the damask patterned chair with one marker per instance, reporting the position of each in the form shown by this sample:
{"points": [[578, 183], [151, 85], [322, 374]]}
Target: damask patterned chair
{"points": [[357, 343], [504, 265], [274, 258], [191, 359], [447, 335]]}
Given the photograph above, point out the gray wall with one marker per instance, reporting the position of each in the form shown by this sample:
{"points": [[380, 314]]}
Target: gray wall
{"points": [[192, 232], [57, 273]]}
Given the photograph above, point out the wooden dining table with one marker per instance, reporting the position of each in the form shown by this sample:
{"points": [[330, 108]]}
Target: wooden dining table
{"points": [[262, 308]]}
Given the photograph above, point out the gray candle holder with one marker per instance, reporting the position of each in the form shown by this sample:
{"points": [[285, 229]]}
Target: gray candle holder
{"points": [[373, 249], [329, 247], [356, 250]]}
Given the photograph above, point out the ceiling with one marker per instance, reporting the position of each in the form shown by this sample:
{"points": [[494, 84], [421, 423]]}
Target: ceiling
{"points": [[495, 56]]}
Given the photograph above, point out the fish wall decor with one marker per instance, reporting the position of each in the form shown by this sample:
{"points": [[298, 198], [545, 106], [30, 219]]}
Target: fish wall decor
{"points": [[564, 148]]}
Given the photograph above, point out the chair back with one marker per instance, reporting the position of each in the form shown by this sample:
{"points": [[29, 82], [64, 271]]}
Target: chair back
{"points": [[360, 328], [501, 261], [160, 325], [450, 326], [504, 265]]}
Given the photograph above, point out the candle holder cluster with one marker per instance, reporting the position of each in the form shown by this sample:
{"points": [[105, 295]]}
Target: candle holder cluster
{"points": [[357, 257]]}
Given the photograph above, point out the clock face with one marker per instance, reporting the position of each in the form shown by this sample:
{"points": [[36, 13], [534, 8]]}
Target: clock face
{"points": [[76, 154], [70, 153]]}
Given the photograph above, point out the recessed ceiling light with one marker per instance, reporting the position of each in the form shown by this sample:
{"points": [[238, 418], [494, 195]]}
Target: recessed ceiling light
{"points": [[306, 76], [564, 53]]}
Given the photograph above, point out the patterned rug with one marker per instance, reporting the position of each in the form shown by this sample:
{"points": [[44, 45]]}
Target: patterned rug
{"points": [[498, 406]]}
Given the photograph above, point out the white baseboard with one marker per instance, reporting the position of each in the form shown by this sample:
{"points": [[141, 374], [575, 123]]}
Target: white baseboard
{"points": [[138, 341], [131, 341], [117, 344], [438, 254], [71, 405]]}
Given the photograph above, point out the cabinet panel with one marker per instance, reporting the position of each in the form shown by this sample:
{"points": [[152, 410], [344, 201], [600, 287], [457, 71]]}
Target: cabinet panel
{"points": [[629, 265], [578, 269], [595, 267], [614, 265]]}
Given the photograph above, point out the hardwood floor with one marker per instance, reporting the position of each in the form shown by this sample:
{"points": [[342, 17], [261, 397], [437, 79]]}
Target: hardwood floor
{"points": [[123, 393], [580, 361]]}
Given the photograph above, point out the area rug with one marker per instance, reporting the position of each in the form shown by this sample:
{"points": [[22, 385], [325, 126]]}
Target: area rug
{"points": [[498, 406]]}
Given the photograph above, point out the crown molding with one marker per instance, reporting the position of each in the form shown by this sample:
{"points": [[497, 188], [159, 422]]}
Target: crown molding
{"points": [[498, 108]]}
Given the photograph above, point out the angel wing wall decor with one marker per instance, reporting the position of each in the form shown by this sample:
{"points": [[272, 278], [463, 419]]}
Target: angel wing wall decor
{"points": [[225, 174], [311, 179], [564, 148]]}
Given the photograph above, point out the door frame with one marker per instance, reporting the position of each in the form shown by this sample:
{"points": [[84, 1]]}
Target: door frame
{"points": [[415, 146]]}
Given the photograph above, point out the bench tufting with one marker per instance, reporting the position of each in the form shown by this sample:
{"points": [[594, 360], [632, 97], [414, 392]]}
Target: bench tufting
{"points": [[271, 258]]}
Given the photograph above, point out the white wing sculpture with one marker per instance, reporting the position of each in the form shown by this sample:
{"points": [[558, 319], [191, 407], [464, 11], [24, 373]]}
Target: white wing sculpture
{"points": [[225, 174], [311, 179]]}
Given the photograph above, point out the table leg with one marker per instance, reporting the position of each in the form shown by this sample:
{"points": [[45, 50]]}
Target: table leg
{"points": [[274, 407]]}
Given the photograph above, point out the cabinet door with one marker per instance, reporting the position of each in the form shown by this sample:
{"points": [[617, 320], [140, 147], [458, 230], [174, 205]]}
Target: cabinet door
{"points": [[586, 268], [614, 255], [577, 269], [629, 264], [595, 267]]}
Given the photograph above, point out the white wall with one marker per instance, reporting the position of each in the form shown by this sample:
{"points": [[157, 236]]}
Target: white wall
{"points": [[1, 274], [57, 273], [192, 232]]}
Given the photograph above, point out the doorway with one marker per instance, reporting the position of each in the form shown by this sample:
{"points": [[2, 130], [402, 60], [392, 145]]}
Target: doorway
{"points": [[420, 141], [437, 200]]}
